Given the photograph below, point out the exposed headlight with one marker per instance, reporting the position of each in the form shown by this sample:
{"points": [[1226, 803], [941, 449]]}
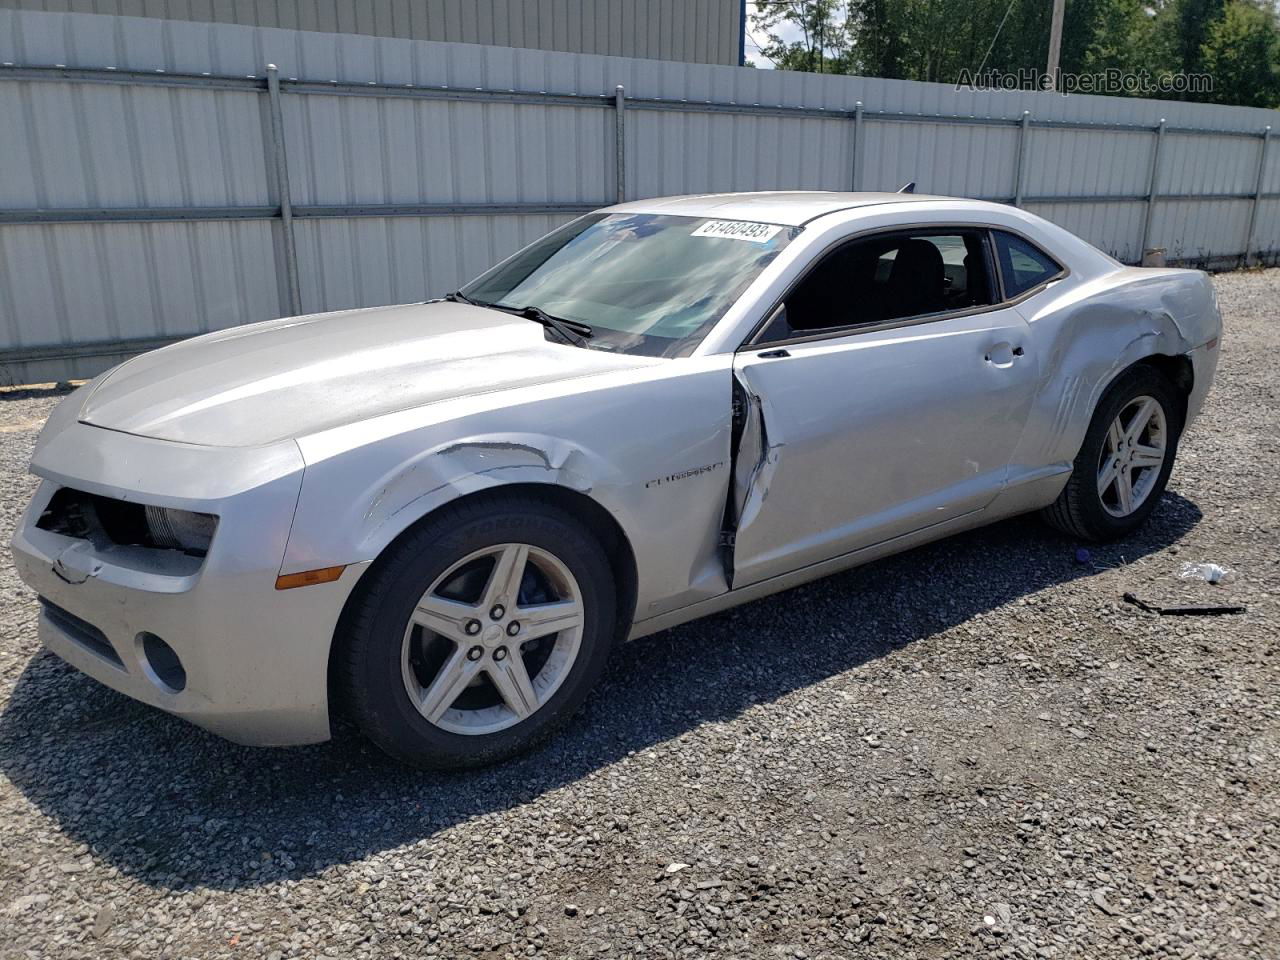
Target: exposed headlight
{"points": [[180, 529]]}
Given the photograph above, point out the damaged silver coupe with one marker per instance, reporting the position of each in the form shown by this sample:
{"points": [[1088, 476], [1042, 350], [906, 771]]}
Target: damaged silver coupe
{"points": [[440, 518]]}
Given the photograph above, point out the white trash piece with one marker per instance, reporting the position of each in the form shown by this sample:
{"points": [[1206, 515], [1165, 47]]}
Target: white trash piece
{"points": [[1208, 572]]}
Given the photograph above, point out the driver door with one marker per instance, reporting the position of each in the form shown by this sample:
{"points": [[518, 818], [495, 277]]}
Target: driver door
{"points": [[886, 395]]}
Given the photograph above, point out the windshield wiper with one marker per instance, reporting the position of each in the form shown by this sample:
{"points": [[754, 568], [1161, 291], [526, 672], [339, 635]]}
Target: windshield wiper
{"points": [[572, 330]]}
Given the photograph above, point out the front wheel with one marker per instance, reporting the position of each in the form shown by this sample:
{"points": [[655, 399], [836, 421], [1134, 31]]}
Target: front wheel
{"points": [[479, 634], [1124, 463]]}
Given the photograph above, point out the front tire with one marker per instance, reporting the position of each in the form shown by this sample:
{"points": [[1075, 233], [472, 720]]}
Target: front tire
{"points": [[481, 632], [1125, 461]]}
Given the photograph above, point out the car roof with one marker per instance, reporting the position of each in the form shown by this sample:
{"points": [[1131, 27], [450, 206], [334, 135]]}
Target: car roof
{"points": [[792, 208]]}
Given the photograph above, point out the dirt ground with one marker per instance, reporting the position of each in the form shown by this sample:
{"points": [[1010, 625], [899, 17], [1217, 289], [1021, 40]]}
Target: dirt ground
{"points": [[973, 749]]}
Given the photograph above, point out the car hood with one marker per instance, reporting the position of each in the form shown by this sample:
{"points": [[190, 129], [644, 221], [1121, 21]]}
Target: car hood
{"points": [[288, 378]]}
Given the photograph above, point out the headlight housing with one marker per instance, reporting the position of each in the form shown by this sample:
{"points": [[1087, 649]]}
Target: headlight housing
{"points": [[87, 516], [181, 529]]}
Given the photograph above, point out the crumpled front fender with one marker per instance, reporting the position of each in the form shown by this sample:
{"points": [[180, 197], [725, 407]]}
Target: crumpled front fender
{"points": [[367, 518], [466, 466], [649, 446]]}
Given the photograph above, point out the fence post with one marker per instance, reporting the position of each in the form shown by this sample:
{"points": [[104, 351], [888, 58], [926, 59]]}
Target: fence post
{"points": [[620, 140], [1257, 194], [281, 163], [1024, 130], [1151, 192], [856, 164]]}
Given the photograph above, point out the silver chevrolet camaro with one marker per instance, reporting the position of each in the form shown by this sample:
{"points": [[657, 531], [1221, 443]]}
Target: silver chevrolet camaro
{"points": [[439, 518]]}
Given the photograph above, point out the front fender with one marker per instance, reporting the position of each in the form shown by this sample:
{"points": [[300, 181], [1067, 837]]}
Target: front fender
{"points": [[649, 446], [358, 524]]}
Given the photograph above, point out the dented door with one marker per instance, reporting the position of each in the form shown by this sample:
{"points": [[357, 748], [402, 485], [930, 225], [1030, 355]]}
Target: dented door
{"points": [[850, 441]]}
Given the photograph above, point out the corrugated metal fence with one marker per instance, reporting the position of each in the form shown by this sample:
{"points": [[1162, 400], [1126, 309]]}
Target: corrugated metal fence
{"points": [[159, 181], [695, 31]]}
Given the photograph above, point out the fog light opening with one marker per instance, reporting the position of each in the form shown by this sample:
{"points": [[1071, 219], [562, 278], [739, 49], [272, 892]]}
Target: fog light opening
{"points": [[162, 664]]}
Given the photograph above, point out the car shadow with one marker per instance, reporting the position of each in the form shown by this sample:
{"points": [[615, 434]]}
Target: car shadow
{"points": [[176, 808]]}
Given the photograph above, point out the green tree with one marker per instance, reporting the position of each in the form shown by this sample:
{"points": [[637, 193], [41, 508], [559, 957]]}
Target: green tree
{"points": [[1240, 53], [824, 43], [1103, 34], [936, 39], [1237, 41], [1196, 19], [879, 31]]}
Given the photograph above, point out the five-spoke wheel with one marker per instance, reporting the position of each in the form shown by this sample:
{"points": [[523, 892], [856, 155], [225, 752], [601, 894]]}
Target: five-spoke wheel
{"points": [[1125, 459], [1132, 456], [493, 638], [478, 632]]}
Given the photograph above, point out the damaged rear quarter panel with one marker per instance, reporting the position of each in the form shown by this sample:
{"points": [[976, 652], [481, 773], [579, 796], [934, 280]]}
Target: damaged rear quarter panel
{"points": [[650, 445], [1086, 335]]}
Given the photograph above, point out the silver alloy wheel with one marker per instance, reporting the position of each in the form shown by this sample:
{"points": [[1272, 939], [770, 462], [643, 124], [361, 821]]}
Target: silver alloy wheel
{"points": [[490, 640], [1132, 456]]}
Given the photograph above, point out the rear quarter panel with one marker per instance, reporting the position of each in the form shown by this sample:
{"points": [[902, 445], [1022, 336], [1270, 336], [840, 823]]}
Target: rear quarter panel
{"points": [[1088, 331]]}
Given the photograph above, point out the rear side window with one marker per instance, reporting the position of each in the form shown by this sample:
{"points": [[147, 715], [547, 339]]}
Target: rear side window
{"points": [[1022, 265]]}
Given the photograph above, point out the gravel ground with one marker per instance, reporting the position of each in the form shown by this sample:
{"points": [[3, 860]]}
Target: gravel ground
{"points": [[973, 749]]}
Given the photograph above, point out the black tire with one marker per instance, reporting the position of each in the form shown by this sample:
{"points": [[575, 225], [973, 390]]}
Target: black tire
{"points": [[1079, 510], [369, 666]]}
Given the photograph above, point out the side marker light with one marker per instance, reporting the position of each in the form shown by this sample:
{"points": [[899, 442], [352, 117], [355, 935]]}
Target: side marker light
{"points": [[305, 579]]}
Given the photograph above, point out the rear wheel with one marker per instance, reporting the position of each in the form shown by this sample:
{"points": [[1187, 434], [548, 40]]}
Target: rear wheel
{"points": [[481, 632], [1125, 461]]}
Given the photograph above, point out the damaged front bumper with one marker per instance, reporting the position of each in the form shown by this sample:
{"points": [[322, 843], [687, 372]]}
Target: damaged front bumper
{"points": [[252, 659]]}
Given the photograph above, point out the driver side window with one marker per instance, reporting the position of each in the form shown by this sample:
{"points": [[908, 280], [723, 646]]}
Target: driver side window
{"points": [[887, 277]]}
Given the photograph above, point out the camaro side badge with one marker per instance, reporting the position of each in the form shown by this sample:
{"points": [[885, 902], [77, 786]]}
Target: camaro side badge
{"points": [[684, 474]]}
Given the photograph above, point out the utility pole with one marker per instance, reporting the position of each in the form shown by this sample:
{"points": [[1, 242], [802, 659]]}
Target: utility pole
{"points": [[1055, 45]]}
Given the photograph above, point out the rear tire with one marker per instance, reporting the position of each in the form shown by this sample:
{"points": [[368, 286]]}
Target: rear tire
{"points": [[480, 633], [1124, 463]]}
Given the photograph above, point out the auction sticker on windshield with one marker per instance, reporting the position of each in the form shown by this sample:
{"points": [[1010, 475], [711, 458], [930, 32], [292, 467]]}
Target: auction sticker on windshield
{"points": [[738, 230]]}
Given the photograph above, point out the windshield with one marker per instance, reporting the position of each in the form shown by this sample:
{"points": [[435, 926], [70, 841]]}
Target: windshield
{"points": [[645, 284]]}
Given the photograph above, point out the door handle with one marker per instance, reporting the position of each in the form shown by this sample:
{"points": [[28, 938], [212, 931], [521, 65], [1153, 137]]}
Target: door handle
{"points": [[1001, 354], [773, 354]]}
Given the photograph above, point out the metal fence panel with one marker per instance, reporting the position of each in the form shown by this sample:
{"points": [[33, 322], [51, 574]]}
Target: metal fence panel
{"points": [[111, 145], [1088, 162], [699, 31], [1200, 164], [953, 159], [144, 190], [1270, 181], [1114, 227], [1195, 230], [356, 262], [1268, 229], [674, 153], [67, 287], [354, 150]]}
